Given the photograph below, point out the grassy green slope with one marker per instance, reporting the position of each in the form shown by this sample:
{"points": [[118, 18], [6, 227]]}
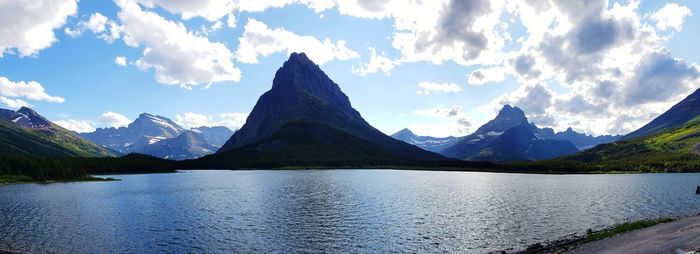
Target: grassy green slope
{"points": [[53, 141], [675, 150]]}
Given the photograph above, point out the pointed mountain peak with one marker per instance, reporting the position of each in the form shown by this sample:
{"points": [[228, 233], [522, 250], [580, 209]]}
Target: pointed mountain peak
{"points": [[146, 119], [299, 73], [148, 116], [405, 131], [404, 134], [27, 111], [507, 118], [299, 58], [32, 119], [514, 112]]}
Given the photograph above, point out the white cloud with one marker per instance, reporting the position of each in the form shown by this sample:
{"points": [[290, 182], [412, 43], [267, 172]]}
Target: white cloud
{"points": [[613, 70], [671, 16], [98, 24], [28, 25], [376, 63], [178, 56], [14, 103], [430, 87], [487, 75], [120, 60], [211, 10], [258, 6], [451, 121], [78, 126], [112, 119], [30, 90], [232, 121], [259, 40], [231, 21]]}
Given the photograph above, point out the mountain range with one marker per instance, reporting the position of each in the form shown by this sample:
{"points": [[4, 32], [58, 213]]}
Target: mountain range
{"points": [[508, 137], [306, 120], [161, 137], [25, 132], [666, 144], [427, 143]]}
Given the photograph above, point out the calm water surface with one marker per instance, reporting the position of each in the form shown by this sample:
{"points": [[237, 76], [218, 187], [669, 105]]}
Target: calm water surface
{"points": [[329, 210]]}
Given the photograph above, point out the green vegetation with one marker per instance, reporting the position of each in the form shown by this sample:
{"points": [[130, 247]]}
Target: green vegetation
{"points": [[39, 169], [5, 179], [49, 141], [675, 150], [625, 227], [307, 144]]}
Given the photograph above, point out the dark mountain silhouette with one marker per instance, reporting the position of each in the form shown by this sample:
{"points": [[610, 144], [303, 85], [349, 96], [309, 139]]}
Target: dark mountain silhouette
{"points": [[305, 119]]}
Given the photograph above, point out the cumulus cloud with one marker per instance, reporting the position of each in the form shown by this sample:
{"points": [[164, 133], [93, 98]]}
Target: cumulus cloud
{"points": [[612, 67], [232, 121], [231, 21], [112, 119], [32, 90], [430, 87], [211, 10], [98, 24], [452, 121], [28, 26], [487, 75], [658, 78], [78, 126], [465, 32], [258, 6], [259, 40], [671, 16], [178, 56], [376, 63], [120, 60], [14, 103]]}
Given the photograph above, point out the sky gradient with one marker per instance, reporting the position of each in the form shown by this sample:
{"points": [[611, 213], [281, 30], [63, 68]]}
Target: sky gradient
{"points": [[437, 67]]}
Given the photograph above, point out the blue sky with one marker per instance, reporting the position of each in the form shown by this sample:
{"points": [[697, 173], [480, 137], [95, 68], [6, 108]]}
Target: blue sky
{"points": [[600, 67]]}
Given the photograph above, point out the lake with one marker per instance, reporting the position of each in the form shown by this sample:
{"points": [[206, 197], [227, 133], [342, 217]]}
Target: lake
{"points": [[336, 211]]}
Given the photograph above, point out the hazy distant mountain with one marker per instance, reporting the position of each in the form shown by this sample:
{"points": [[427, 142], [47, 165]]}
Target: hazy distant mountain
{"points": [[216, 136], [145, 130], [188, 145], [25, 132], [583, 141], [470, 147], [159, 136], [305, 119], [678, 115], [427, 143]]}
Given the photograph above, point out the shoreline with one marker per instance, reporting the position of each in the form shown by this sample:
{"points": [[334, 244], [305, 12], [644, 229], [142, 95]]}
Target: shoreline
{"points": [[14, 179], [660, 235]]}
